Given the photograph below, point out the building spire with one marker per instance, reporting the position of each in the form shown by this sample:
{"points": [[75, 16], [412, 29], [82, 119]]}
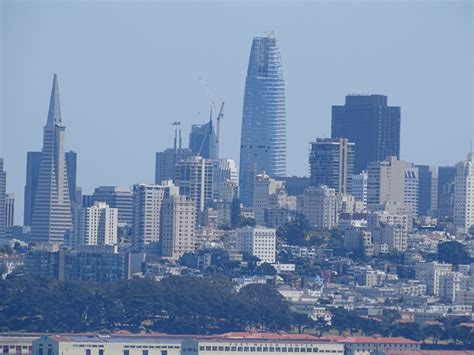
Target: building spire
{"points": [[54, 113]]}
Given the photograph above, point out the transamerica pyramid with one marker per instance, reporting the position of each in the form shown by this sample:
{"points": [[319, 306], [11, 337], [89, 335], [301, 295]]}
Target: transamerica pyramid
{"points": [[51, 217]]}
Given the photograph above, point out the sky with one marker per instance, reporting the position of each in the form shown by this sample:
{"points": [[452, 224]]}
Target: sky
{"points": [[128, 69]]}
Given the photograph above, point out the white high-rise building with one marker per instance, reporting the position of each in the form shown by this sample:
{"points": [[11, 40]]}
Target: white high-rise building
{"points": [[99, 225], [257, 241], [51, 218], [178, 221], [464, 193], [319, 205], [148, 199]]}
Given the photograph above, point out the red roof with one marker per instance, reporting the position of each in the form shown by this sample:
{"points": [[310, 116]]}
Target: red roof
{"points": [[269, 336], [370, 340]]}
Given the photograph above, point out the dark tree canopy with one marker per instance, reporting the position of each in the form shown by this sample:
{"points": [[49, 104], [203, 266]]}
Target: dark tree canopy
{"points": [[453, 252]]}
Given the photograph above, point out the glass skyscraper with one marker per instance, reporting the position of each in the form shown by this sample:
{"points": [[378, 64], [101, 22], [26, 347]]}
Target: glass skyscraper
{"points": [[263, 138]]}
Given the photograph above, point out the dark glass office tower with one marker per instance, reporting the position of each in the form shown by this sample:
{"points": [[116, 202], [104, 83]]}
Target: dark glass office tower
{"points": [[373, 126], [203, 140], [331, 163], [263, 137], [446, 176]]}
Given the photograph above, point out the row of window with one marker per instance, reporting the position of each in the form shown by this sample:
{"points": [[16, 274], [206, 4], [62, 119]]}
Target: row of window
{"points": [[266, 349]]}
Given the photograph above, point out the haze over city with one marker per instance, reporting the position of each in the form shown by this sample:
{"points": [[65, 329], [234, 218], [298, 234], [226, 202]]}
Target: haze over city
{"points": [[127, 71]]}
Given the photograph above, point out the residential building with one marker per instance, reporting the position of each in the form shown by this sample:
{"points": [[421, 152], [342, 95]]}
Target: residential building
{"points": [[264, 188], [51, 215], [147, 205], [257, 241], [263, 137], [371, 124], [376, 345], [393, 181], [177, 229], [195, 178], [117, 197], [430, 274], [319, 205], [331, 162], [3, 187], [464, 194], [98, 225], [86, 263], [427, 190], [9, 209]]}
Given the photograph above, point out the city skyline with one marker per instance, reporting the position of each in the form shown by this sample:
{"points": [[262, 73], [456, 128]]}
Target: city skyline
{"points": [[124, 141]]}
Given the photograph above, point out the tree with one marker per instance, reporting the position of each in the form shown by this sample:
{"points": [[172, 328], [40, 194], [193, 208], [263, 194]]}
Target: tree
{"points": [[433, 331], [294, 232], [453, 252]]}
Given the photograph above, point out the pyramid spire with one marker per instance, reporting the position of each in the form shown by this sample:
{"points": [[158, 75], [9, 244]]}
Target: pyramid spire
{"points": [[54, 113]]}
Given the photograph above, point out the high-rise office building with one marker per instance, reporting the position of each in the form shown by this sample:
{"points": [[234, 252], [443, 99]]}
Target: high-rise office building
{"points": [[117, 197], [33, 161], [446, 192], [371, 124], [331, 163], [359, 187], [203, 140], [166, 160], [195, 178], [9, 210], [263, 137], [51, 215], [464, 194], [3, 187], [165, 163], [147, 204], [178, 220], [427, 190]]}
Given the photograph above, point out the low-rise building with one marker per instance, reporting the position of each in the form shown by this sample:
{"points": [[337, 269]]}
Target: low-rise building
{"points": [[82, 344]]}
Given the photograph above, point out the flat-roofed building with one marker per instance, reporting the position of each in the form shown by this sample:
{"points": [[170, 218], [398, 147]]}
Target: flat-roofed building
{"points": [[259, 343], [83, 344], [358, 345], [18, 344]]}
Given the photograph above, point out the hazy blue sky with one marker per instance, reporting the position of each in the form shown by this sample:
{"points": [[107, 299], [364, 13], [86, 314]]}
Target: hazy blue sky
{"points": [[128, 69]]}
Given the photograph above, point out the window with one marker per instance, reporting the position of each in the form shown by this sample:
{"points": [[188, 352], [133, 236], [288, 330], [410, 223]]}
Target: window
{"points": [[101, 351], [88, 352], [144, 352], [126, 352]]}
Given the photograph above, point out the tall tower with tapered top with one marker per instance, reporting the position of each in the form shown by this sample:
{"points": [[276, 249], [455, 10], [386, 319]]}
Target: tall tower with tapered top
{"points": [[263, 137], [51, 216]]}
